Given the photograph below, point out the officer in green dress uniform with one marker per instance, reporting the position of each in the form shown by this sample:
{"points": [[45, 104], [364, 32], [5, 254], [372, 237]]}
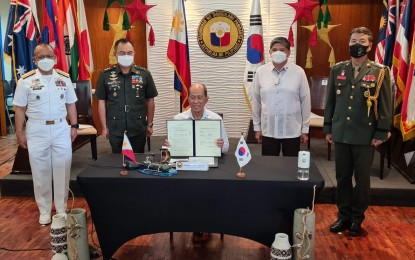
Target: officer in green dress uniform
{"points": [[357, 119], [125, 94]]}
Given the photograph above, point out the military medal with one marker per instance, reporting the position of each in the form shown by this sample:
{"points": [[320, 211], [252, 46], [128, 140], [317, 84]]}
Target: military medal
{"points": [[338, 92], [115, 94], [372, 85], [137, 93], [62, 96]]}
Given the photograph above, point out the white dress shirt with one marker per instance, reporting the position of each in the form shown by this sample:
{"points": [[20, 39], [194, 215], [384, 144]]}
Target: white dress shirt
{"points": [[207, 114], [45, 96], [281, 103]]}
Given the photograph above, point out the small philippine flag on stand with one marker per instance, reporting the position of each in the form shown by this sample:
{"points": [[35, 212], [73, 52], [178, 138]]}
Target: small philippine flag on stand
{"points": [[127, 150], [242, 153]]}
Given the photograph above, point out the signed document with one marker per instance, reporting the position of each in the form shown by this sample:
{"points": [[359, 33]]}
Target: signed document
{"points": [[180, 136], [207, 132], [194, 137]]}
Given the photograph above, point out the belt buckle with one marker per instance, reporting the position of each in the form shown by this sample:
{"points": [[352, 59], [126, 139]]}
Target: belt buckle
{"points": [[50, 122], [127, 108]]}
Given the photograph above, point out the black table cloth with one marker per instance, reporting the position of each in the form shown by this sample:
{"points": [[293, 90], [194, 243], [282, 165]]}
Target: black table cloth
{"points": [[258, 207]]}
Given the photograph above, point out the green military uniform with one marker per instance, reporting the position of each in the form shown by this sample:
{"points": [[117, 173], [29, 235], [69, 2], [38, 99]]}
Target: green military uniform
{"points": [[358, 109], [125, 97]]}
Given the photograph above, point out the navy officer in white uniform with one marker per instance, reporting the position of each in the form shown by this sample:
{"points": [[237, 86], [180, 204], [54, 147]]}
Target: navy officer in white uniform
{"points": [[46, 96]]}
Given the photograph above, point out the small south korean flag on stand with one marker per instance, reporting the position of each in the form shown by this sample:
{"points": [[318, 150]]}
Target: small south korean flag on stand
{"points": [[127, 150], [243, 156]]}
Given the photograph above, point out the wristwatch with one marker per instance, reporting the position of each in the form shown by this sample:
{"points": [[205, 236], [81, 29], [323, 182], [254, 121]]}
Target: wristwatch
{"points": [[150, 125], [76, 126]]}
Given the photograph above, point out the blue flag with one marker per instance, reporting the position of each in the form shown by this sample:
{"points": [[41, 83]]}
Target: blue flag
{"points": [[1, 53], [21, 37]]}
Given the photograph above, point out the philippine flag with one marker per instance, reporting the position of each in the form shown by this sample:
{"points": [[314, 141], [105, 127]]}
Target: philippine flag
{"points": [[242, 153], [127, 150], [220, 34]]}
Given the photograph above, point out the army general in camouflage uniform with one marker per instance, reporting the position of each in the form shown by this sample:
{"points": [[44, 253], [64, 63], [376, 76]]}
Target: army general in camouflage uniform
{"points": [[125, 95], [357, 118]]}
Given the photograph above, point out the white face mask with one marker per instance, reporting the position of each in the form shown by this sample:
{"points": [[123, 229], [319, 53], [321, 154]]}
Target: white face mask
{"points": [[125, 60], [278, 57], [46, 64]]}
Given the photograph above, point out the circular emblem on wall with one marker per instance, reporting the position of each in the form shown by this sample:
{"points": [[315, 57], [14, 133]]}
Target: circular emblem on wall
{"points": [[220, 34]]}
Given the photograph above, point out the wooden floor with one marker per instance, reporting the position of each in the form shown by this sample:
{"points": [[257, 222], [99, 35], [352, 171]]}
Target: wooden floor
{"points": [[389, 233]]}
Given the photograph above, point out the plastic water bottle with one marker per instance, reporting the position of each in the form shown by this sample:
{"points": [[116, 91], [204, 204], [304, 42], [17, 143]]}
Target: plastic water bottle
{"points": [[303, 173]]}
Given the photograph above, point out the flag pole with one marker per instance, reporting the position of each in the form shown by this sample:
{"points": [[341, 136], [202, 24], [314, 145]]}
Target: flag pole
{"points": [[124, 171], [240, 174]]}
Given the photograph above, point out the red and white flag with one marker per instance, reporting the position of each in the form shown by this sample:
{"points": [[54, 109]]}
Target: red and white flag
{"points": [[127, 150], [85, 45], [408, 104]]}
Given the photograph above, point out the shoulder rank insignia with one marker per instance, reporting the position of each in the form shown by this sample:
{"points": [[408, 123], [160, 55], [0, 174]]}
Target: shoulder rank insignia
{"points": [[378, 65], [63, 73], [340, 63], [30, 73], [109, 68]]}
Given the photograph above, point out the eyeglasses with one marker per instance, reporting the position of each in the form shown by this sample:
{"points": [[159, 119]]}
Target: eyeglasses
{"points": [[122, 53], [198, 98], [41, 57]]}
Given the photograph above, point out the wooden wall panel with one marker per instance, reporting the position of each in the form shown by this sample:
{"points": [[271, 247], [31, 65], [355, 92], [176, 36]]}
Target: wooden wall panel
{"points": [[348, 13]]}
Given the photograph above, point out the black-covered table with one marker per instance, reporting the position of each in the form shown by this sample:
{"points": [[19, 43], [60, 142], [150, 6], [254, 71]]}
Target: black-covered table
{"points": [[258, 207]]}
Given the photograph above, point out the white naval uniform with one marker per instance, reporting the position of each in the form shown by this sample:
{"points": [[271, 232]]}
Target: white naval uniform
{"points": [[48, 134]]}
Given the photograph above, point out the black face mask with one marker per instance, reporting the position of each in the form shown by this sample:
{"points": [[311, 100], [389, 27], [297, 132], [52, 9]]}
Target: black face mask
{"points": [[357, 50]]}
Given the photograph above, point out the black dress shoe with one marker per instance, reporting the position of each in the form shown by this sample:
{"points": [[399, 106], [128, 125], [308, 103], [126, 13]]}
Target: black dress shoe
{"points": [[339, 225], [355, 230]]}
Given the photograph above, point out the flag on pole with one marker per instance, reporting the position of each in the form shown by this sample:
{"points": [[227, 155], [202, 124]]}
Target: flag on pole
{"points": [[85, 45], [401, 57], [255, 49], [408, 104], [69, 34], [380, 47], [21, 37], [75, 56], [390, 33], [242, 153], [52, 32], [178, 52], [1, 53], [127, 150]]}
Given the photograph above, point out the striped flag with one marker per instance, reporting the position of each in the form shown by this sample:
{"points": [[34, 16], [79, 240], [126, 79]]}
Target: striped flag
{"points": [[127, 150], [178, 53], [21, 37], [380, 48], [52, 32], [390, 33], [408, 104], [401, 57], [1, 53], [78, 69], [85, 45], [69, 37], [255, 49]]}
